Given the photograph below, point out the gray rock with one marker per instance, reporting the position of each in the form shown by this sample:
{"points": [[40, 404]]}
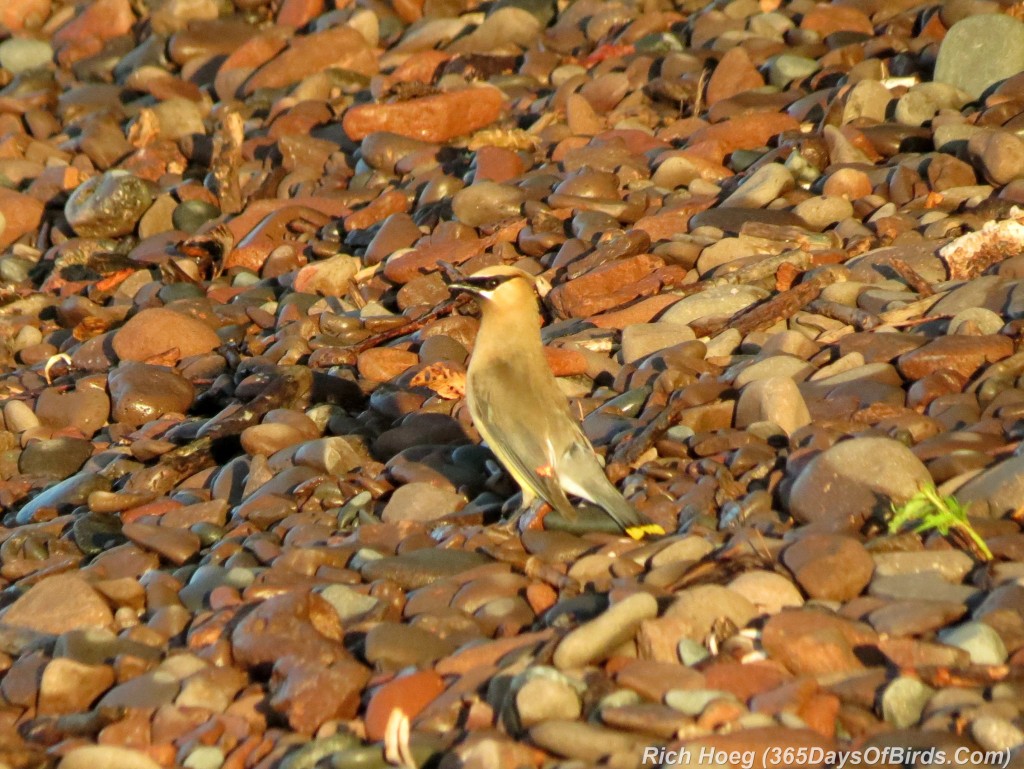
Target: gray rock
{"points": [[776, 399], [986, 321], [903, 701], [786, 67], [979, 640], [641, 339], [348, 603], [924, 586], [953, 565], [994, 733], [867, 99], [717, 300], [1002, 486], [486, 202], [57, 457], [967, 57], [19, 54], [761, 187], [924, 100], [855, 479]]}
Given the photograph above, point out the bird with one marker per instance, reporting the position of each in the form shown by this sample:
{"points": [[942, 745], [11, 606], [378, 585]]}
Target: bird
{"points": [[520, 411]]}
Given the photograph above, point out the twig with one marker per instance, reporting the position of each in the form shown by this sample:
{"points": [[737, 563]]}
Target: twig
{"points": [[912, 277], [628, 452]]}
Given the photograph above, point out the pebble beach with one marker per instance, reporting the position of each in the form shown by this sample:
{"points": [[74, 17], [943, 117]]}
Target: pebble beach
{"points": [[246, 521]]}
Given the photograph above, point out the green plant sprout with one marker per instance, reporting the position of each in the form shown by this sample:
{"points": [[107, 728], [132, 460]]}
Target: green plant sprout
{"points": [[931, 511]]}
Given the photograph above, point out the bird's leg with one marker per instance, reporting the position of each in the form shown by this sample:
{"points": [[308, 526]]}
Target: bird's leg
{"points": [[518, 516]]}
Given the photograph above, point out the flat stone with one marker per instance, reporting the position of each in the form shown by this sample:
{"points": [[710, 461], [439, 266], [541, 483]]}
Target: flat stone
{"points": [[965, 58], [58, 604]]}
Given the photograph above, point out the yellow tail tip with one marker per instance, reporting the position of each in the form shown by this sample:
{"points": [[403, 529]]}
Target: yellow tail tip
{"points": [[645, 530]]}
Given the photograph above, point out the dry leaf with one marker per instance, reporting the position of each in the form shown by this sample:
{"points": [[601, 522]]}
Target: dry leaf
{"points": [[444, 379]]}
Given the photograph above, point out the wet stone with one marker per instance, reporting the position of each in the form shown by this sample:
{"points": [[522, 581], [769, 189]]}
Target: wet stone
{"points": [[108, 205]]}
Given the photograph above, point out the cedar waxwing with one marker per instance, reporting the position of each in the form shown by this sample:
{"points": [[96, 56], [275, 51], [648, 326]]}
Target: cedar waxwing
{"points": [[520, 411]]}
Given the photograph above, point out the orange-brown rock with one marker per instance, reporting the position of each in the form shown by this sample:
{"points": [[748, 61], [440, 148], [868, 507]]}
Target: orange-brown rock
{"points": [[434, 118]]}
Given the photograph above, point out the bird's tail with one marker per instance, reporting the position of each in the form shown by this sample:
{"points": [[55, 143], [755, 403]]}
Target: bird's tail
{"points": [[632, 522]]}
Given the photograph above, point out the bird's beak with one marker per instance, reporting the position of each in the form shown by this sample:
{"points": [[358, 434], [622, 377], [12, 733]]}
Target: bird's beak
{"points": [[458, 282]]}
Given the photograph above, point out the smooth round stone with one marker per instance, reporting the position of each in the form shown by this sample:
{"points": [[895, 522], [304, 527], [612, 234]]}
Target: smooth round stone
{"points": [[717, 300], [994, 733], [785, 68], [829, 567], [924, 100], [761, 188], [966, 57], [593, 640], [769, 592], [57, 458], [903, 701], [486, 202], [977, 639], [421, 502], [774, 399], [108, 205], [545, 698], [193, 214], [157, 331], [348, 603], [84, 409], [142, 393], [823, 211], [854, 479], [1002, 486], [19, 54]]}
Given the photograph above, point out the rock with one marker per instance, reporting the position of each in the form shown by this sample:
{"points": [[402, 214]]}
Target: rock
{"points": [[19, 15], [814, 642], [829, 567], [21, 215], [107, 756], [310, 695], [159, 332], [58, 604], [142, 393], [58, 458], [761, 187], [775, 399], [435, 118], [770, 593], [977, 639], [904, 700], [854, 479], [965, 59], [329, 277], [422, 567], [486, 203], [85, 409], [421, 502], [546, 697], [593, 640], [409, 694], [20, 54], [108, 205], [1001, 486], [714, 301], [341, 47], [68, 686]]}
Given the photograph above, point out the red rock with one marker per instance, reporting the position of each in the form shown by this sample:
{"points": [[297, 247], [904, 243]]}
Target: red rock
{"points": [[96, 23], [734, 74], [422, 259], [175, 545], [310, 694], [246, 58], [813, 642], [409, 10], [68, 686], [340, 47], [298, 13], [497, 164], [21, 213], [849, 183], [409, 694], [565, 362], [58, 604], [745, 680], [382, 364], [744, 132], [643, 311], [303, 623], [829, 567], [157, 331], [610, 285], [435, 118], [963, 355], [826, 19], [388, 203], [666, 223], [19, 15], [264, 225]]}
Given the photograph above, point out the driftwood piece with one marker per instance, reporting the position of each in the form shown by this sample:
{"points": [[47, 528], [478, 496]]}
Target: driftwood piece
{"points": [[779, 307], [972, 254], [912, 277]]}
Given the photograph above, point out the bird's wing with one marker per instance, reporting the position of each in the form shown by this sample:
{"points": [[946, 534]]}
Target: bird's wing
{"points": [[523, 426]]}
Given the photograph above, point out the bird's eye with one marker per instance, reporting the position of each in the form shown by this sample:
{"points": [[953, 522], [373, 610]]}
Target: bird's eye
{"points": [[492, 283]]}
